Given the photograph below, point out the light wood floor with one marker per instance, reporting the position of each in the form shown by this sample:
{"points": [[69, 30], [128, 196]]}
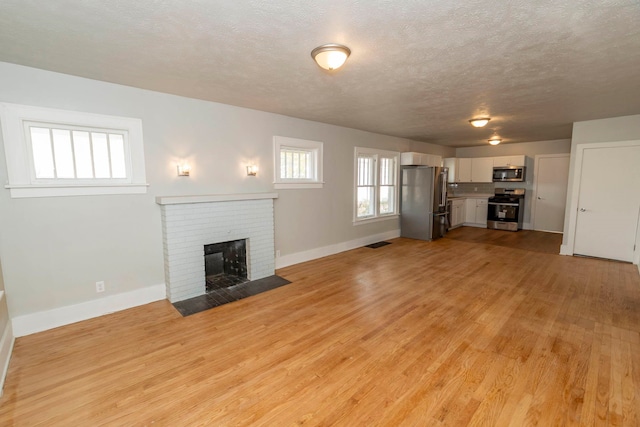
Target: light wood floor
{"points": [[414, 333]]}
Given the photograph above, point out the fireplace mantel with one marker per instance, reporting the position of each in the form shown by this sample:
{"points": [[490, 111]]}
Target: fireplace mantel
{"points": [[208, 198]]}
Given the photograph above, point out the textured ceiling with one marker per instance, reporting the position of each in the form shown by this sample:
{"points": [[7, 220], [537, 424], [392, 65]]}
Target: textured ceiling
{"points": [[419, 69]]}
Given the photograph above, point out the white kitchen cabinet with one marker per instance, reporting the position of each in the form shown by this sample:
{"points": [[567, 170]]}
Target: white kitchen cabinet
{"points": [[470, 211], [482, 209], [420, 159], [482, 169], [464, 170], [434, 160], [452, 164], [478, 169], [476, 210], [505, 161], [457, 212]]}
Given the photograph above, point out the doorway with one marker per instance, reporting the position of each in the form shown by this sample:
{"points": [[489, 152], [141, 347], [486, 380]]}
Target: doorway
{"points": [[608, 204], [550, 192]]}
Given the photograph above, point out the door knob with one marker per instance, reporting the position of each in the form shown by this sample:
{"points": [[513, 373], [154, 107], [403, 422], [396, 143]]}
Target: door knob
{"points": [[583, 210]]}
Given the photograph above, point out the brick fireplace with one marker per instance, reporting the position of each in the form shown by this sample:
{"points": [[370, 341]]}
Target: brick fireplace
{"points": [[190, 223]]}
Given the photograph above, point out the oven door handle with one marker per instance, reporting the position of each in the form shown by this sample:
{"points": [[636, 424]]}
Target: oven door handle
{"points": [[503, 204]]}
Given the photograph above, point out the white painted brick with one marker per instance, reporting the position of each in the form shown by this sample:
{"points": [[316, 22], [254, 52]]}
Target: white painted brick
{"points": [[186, 228]]}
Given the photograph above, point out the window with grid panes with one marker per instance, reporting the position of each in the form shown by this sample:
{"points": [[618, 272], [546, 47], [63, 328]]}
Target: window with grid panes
{"points": [[297, 163], [376, 185], [71, 153]]}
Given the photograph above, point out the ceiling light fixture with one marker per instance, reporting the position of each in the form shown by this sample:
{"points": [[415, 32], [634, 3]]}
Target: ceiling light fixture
{"points": [[495, 141], [478, 123], [330, 56]]}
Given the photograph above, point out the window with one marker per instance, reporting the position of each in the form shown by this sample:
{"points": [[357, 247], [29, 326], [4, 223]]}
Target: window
{"points": [[75, 153], [62, 153], [297, 163], [376, 184]]}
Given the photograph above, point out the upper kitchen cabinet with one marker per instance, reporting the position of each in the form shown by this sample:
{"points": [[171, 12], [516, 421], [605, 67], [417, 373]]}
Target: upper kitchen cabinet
{"points": [[470, 170], [482, 169], [451, 163], [479, 169], [464, 170], [506, 161], [420, 159]]}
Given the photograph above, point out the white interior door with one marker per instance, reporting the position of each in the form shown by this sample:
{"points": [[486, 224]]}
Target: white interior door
{"points": [[608, 203], [552, 175]]}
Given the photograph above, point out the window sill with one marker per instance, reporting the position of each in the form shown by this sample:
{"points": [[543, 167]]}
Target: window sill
{"points": [[296, 185], [376, 219], [26, 191]]}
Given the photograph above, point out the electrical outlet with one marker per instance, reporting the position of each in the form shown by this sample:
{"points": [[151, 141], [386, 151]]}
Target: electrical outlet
{"points": [[100, 286], [278, 253]]}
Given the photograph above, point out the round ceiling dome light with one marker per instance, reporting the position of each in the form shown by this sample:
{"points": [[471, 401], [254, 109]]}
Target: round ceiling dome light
{"points": [[480, 122], [495, 141], [330, 56]]}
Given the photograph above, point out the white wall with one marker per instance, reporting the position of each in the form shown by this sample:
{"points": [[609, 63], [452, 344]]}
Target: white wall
{"points": [[626, 128], [54, 249]]}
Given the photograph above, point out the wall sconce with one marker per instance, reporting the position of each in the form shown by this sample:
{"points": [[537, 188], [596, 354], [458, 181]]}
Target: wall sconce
{"points": [[252, 170], [184, 169]]}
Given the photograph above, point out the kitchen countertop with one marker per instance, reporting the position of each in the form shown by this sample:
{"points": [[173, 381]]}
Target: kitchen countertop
{"points": [[470, 196]]}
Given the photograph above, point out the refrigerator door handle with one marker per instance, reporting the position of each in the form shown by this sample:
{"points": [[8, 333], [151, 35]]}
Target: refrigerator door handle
{"points": [[443, 191]]}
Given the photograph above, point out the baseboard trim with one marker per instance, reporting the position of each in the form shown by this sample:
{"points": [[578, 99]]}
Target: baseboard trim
{"points": [[6, 348], [49, 319], [565, 250], [296, 258]]}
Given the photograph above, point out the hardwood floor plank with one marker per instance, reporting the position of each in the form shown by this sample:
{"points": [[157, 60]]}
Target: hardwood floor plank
{"points": [[483, 327]]}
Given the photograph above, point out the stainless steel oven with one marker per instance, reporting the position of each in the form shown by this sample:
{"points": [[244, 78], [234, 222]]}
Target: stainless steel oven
{"points": [[506, 209]]}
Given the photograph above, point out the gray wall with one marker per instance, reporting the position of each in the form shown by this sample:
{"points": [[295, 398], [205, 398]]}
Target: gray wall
{"points": [[625, 128], [529, 149], [55, 249]]}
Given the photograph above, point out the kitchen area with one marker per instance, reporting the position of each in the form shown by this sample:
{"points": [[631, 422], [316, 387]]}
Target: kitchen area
{"points": [[488, 191], [439, 195]]}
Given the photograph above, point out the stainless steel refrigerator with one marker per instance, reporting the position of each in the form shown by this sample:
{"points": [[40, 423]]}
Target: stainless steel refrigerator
{"points": [[423, 202]]}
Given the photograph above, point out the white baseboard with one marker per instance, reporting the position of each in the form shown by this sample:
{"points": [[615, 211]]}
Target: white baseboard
{"points": [[6, 347], [44, 320], [296, 258], [565, 250]]}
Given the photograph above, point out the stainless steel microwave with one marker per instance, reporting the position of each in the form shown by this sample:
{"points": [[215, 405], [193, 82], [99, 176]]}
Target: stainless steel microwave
{"points": [[508, 174]]}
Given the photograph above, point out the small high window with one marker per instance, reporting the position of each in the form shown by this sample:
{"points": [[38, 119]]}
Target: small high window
{"points": [[76, 153], [53, 152], [297, 163]]}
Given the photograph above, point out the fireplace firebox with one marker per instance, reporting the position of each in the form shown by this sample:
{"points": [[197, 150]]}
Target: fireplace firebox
{"points": [[225, 264]]}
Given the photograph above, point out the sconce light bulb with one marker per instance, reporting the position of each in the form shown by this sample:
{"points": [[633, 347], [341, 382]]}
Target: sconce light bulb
{"points": [[252, 170]]}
